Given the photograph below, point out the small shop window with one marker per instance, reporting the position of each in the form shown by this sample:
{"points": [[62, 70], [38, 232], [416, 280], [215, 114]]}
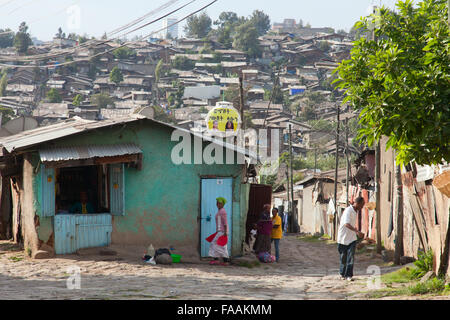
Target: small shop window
{"points": [[87, 183], [97, 188]]}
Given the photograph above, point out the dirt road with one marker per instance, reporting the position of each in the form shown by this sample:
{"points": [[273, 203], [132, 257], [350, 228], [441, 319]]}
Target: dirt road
{"points": [[307, 270]]}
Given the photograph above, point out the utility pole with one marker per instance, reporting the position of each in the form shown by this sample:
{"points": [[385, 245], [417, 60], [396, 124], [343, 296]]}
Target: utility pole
{"points": [[241, 96], [399, 232], [347, 161], [315, 159], [293, 223], [336, 173], [287, 192]]}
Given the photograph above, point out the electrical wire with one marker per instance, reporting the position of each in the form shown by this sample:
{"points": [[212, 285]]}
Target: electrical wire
{"points": [[110, 50], [133, 23], [55, 13], [22, 6], [6, 3], [73, 50], [96, 42]]}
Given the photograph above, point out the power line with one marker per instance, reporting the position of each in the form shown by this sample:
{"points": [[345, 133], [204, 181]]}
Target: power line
{"points": [[6, 3], [73, 50], [22, 6], [56, 12], [90, 42], [133, 23], [110, 50]]}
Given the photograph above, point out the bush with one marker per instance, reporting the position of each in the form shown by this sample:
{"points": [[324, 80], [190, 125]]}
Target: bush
{"points": [[183, 63], [54, 96], [423, 264], [434, 285]]}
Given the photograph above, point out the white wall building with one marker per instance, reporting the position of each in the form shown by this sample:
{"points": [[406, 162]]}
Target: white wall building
{"points": [[170, 28]]}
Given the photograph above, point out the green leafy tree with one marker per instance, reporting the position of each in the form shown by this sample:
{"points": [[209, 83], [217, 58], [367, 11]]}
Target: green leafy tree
{"points": [[6, 38], [232, 94], [226, 18], [3, 84], [160, 70], [183, 63], [171, 99], [77, 100], [324, 45], [54, 96], [82, 39], [7, 114], [116, 75], [72, 36], [227, 23], [400, 81], [60, 34], [260, 21], [22, 39], [246, 40], [198, 26], [224, 36], [179, 95], [307, 113], [276, 94], [102, 100], [124, 53]]}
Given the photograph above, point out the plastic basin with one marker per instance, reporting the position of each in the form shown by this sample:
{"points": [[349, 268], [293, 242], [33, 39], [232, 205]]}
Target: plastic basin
{"points": [[176, 258]]}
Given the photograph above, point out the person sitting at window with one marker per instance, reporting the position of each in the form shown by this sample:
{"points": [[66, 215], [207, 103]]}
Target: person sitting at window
{"points": [[83, 206]]}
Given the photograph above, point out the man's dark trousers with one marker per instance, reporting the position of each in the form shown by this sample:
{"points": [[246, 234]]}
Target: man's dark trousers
{"points": [[347, 258]]}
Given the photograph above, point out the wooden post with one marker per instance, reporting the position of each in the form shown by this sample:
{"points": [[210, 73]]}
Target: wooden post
{"points": [[336, 174], [293, 223], [378, 195], [315, 159], [399, 232], [241, 96], [287, 192]]}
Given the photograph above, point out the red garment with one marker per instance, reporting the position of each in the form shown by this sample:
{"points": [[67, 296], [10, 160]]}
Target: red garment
{"points": [[265, 227]]}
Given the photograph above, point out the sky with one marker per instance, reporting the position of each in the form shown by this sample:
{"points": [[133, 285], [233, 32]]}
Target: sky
{"points": [[95, 17]]}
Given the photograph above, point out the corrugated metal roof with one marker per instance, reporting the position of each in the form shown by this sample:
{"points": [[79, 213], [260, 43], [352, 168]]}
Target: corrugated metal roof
{"points": [[87, 152], [76, 125], [59, 130]]}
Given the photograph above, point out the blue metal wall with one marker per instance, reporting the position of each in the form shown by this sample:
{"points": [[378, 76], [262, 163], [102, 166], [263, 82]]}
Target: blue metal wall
{"points": [[76, 231]]}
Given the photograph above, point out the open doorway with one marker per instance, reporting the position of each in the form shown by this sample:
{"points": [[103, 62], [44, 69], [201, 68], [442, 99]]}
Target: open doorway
{"points": [[82, 190]]}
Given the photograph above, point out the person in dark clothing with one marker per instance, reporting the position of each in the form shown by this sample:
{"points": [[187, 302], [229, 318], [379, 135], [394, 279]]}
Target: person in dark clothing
{"points": [[264, 229]]}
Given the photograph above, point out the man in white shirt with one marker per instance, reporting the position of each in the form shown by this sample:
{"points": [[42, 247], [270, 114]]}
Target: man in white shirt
{"points": [[347, 238]]}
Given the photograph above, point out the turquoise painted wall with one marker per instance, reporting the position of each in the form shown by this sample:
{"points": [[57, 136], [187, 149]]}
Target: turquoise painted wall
{"points": [[45, 227], [162, 201]]}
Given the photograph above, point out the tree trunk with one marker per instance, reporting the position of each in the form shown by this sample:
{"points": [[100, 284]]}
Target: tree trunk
{"points": [[443, 268], [399, 230]]}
